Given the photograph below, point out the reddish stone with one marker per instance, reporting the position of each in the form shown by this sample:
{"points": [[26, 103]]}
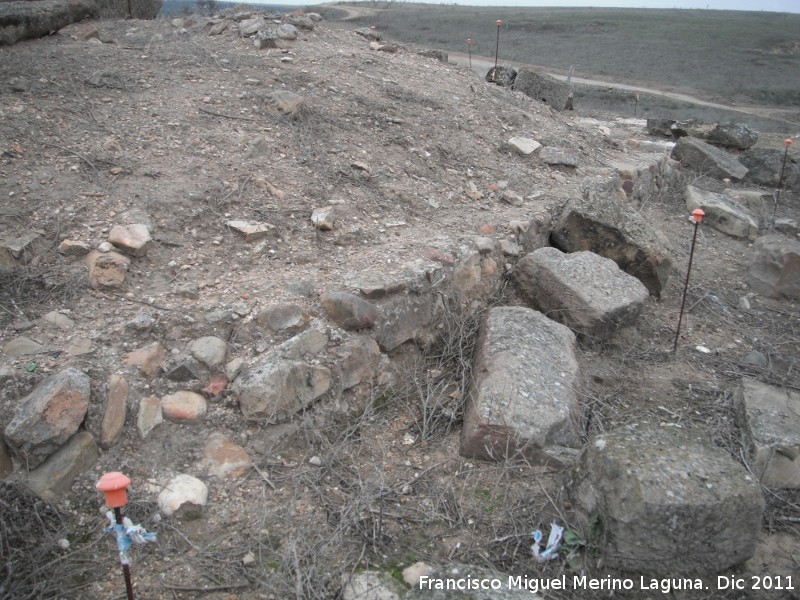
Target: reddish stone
{"points": [[487, 229], [226, 459], [148, 359], [114, 417], [183, 406]]}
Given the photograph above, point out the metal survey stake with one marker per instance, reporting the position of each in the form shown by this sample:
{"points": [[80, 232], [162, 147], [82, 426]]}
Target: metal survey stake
{"points": [[697, 215], [497, 49], [786, 143], [469, 52], [114, 487]]}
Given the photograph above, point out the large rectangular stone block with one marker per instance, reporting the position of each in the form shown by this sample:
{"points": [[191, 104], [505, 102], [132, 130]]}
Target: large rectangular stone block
{"points": [[521, 397]]}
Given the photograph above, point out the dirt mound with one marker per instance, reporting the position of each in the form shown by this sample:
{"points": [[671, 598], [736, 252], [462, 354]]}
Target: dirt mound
{"points": [[166, 125]]}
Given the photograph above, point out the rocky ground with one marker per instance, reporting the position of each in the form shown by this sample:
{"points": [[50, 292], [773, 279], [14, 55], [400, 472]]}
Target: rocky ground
{"points": [[225, 152]]}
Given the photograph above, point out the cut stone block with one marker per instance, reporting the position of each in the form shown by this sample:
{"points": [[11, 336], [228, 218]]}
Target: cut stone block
{"points": [[721, 213], [769, 418], [669, 502], [605, 225], [586, 292], [707, 159], [775, 267], [521, 396]]}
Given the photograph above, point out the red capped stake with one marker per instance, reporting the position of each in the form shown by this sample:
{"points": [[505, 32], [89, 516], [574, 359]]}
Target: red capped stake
{"points": [[698, 214], [787, 142], [114, 486]]}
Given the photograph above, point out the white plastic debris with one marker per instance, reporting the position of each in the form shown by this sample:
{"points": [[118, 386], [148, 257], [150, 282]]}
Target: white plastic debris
{"points": [[550, 551], [703, 349]]}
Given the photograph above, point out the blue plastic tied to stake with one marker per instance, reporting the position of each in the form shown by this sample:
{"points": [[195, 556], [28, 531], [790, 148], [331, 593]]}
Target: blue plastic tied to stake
{"points": [[550, 551], [127, 534]]}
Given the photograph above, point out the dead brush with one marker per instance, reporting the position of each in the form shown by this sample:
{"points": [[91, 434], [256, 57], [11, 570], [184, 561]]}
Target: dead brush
{"points": [[436, 383], [32, 565]]}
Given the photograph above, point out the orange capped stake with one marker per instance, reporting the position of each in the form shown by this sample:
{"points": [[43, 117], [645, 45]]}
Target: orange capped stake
{"points": [[497, 49], [787, 142], [697, 217], [114, 486]]}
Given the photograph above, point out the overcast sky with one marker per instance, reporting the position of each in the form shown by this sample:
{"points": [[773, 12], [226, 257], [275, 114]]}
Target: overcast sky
{"points": [[770, 5]]}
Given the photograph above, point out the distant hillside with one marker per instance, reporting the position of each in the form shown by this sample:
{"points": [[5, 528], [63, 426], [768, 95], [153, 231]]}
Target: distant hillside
{"points": [[729, 56]]}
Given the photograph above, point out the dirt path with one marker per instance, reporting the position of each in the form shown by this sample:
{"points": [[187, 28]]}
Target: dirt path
{"points": [[481, 64]]}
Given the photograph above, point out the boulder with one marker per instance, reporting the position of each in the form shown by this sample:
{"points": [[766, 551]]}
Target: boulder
{"points": [[275, 389], [287, 31], [661, 127], [502, 75], [775, 267], [21, 249], [310, 341], [28, 20], [282, 317], [604, 224], [56, 475], [764, 167], [722, 213], [47, 417], [521, 397], [349, 311], [359, 360], [266, 38], [769, 418], [249, 27], [183, 493], [586, 292], [707, 159], [692, 128], [669, 502], [407, 317], [757, 202], [209, 350], [733, 135], [542, 88]]}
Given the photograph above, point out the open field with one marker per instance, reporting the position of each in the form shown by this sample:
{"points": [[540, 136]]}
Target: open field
{"points": [[723, 56]]}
